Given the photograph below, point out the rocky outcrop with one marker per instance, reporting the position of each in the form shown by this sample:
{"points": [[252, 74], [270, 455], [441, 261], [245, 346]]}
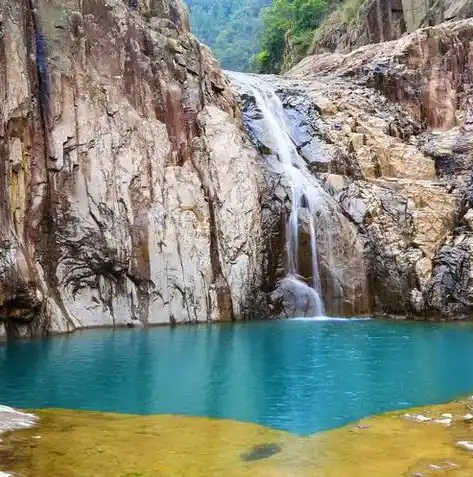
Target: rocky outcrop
{"points": [[127, 188], [385, 130], [356, 23], [398, 114]]}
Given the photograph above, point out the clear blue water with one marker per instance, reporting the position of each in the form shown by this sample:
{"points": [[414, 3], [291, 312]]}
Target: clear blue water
{"points": [[300, 376]]}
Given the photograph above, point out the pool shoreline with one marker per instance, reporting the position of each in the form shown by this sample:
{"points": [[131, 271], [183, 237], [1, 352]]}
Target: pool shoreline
{"points": [[120, 327], [385, 442]]}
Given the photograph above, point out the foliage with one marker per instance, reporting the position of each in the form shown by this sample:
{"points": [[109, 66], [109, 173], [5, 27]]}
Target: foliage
{"points": [[267, 36], [230, 27], [344, 16], [297, 18], [350, 10]]}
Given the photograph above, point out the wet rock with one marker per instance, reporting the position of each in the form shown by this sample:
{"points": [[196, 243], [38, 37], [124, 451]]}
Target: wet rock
{"points": [[295, 298], [448, 291], [11, 419], [468, 418], [416, 417], [135, 324], [467, 445], [444, 421], [443, 466], [468, 218]]}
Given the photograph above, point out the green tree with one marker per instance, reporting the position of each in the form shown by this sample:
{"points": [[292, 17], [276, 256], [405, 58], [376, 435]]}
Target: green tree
{"points": [[297, 18], [231, 28]]}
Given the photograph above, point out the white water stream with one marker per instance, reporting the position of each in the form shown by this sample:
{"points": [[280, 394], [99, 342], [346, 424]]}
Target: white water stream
{"points": [[305, 191]]}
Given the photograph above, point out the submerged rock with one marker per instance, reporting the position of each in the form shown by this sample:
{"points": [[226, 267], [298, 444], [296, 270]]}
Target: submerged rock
{"points": [[444, 420], [467, 445], [468, 418], [263, 451], [417, 417]]}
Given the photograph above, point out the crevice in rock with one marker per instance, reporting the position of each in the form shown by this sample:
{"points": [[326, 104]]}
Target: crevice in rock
{"points": [[222, 289], [41, 65]]}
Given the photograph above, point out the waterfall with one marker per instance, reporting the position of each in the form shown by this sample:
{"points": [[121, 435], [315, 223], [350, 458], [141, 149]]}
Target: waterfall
{"points": [[306, 193]]}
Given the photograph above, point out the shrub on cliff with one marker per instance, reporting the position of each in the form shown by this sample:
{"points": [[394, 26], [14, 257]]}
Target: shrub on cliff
{"points": [[297, 18]]}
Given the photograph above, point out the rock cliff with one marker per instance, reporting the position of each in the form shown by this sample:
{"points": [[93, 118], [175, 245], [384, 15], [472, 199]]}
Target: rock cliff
{"points": [[396, 117], [360, 22], [354, 23], [128, 192]]}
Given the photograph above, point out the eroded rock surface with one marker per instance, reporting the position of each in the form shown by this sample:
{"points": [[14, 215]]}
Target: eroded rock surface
{"points": [[386, 130], [354, 24], [128, 190], [399, 112]]}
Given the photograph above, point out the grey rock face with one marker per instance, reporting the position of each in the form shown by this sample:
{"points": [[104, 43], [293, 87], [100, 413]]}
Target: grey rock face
{"points": [[392, 125], [128, 190], [400, 111]]}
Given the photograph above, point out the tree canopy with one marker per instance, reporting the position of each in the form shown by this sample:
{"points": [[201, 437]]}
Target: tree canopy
{"points": [[297, 18], [253, 34], [231, 28]]}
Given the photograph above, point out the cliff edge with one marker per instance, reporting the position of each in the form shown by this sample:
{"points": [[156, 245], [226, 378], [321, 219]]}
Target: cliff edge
{"points": [[128, 192]]}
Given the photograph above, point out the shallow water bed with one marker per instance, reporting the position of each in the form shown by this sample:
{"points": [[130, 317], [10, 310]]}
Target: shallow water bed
{"points": [[297, 376], [77, 444]]}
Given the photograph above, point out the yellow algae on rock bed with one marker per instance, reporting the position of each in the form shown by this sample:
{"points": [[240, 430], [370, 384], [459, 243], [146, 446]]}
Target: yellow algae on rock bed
{"points": [[76, 443]]}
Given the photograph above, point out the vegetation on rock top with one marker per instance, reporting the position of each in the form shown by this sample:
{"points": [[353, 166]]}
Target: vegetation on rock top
{"points": [[271, 36], [284, 21]]}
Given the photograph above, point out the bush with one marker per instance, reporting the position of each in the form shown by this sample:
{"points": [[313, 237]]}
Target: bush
{"points": [[295, 17]]}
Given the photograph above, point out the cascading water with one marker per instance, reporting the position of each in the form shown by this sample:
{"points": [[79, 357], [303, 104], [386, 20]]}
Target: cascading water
{"points": [[306, 192]]}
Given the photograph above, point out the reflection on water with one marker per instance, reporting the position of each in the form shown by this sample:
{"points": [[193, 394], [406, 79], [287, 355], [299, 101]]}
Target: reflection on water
{"points": [[300, 376]]}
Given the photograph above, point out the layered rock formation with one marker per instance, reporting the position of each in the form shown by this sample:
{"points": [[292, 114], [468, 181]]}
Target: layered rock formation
{"points": [[360, 22], [339, 248], [397, 117], [128, 191]]}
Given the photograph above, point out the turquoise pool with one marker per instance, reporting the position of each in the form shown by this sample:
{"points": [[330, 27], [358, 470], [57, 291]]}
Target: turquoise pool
{"points": [[299, 376]]}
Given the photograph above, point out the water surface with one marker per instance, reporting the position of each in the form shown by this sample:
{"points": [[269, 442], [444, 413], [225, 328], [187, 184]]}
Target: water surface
{"points": [[299, 376]]}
